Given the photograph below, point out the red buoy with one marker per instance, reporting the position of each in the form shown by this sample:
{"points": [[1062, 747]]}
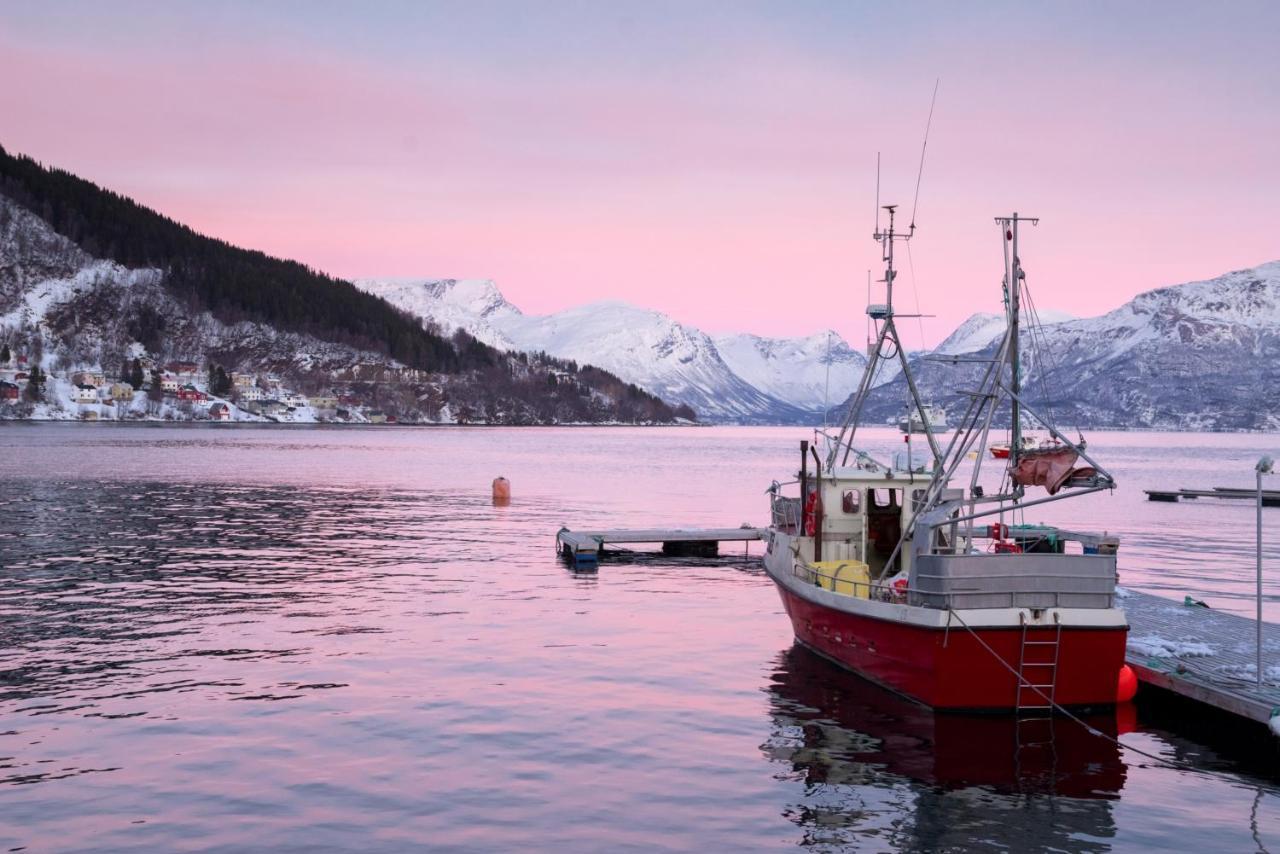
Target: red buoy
{"points": [[1127, 685], [1126, 718]]}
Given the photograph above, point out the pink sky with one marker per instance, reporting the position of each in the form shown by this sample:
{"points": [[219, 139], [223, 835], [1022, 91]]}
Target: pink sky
{"points": [[714, 162]]}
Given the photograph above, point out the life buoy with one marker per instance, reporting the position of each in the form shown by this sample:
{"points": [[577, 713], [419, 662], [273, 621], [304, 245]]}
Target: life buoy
{"points": [[811, 514]]}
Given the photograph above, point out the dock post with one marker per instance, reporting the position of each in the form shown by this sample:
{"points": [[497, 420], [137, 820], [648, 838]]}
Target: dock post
{"points": [[1264, 467]]}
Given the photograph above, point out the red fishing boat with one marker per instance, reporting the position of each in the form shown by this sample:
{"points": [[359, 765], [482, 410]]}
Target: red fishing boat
{"points": [[887, 569]]}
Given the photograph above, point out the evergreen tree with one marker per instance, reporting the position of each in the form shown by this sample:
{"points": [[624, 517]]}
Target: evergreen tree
{"points": [[222, 383], [35, 383], [5, 355], [135, 374], [156, 391]]}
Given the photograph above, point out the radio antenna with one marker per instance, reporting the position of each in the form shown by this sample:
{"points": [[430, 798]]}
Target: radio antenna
{"points": [[923, 145]]}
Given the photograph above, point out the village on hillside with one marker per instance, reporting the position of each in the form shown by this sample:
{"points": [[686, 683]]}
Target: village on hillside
{"points": [[142, 389]]}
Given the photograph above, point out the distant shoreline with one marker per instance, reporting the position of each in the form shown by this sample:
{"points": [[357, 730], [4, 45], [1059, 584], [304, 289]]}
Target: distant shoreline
{"points": [[343, 425]]}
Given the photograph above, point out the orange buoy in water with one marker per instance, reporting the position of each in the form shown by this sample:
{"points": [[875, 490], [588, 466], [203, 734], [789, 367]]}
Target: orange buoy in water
{"points": [[501, 490], [1127, 685]]}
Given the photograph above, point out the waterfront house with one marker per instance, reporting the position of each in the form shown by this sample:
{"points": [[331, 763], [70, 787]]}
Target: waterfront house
{"points": [[273, 408], [93, 377], [8, 391], [250, 394], [184, 371], [191, 393], [376, 416], [323, 401], [169, 384], [220, 412], [121, 391], [85, 393]]}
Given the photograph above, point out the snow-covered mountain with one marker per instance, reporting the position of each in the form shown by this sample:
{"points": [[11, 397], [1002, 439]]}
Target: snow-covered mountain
{"points": [[729, 378], [981, 329], [1201, 355], [1198, 355], [813, 372]]}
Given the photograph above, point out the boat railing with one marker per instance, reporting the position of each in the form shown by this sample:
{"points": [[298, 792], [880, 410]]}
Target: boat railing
{"points": [[785, 514], [1047, 591]]}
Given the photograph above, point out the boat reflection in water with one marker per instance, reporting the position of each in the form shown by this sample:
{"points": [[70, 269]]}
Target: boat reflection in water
{"points": [[1029, 784]]}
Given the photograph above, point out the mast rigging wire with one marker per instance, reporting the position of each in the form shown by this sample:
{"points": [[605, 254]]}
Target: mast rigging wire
{"points": [[923, 145]]}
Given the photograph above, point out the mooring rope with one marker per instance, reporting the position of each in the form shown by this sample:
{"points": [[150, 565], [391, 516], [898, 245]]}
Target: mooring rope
{"points": [[1057, 707]]}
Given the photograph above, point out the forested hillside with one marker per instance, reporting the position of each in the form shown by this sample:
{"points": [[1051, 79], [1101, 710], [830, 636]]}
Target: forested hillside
{"points": [[232, 283], [91, 280]]}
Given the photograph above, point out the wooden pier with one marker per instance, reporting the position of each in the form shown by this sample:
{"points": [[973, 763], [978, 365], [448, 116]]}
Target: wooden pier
{"points": [[583, 548], [1270, 497], [1203, 654]]}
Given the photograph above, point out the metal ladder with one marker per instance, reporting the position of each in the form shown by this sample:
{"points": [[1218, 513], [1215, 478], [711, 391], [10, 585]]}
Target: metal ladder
{"points": [[1038, 674]]}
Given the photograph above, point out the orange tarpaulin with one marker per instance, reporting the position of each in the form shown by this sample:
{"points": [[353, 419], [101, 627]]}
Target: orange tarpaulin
{"points": [[1050, 469]]}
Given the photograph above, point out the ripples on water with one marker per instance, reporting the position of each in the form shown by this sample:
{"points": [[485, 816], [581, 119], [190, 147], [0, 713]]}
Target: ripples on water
{"points": [[310, 640]]}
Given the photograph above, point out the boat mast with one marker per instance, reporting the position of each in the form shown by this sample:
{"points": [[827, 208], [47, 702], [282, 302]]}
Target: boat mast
{"points": [[888, 332], [1013, 277]]}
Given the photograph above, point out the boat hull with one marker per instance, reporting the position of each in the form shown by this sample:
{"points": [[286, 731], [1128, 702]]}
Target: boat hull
{"points": [[958, 668]]}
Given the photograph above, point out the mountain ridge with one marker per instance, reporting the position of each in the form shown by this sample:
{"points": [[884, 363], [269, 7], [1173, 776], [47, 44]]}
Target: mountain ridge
{"points": [[1200, 355], [673, 360]]}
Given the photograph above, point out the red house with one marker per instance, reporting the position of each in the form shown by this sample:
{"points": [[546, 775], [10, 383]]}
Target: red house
{"points": [[191, 393]]}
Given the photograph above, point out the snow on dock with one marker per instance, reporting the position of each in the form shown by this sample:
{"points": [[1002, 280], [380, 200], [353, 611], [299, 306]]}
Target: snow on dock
{"points": [[1203, 654], [1270, 497], [582, 548]]}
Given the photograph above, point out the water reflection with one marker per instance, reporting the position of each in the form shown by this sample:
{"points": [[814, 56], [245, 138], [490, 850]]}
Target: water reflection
{"points": [[1031, 784]]}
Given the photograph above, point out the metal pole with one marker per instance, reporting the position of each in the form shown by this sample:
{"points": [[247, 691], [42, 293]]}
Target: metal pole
{"points": [[1015, 286], [1265, 466]]}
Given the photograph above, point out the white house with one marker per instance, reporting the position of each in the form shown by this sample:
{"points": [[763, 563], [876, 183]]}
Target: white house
{"points": [[251, 393], [84, 393]]}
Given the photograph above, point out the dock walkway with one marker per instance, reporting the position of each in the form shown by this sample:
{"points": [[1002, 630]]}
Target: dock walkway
{"points": [[1270, 498], [1203, 654], [582, 548]]}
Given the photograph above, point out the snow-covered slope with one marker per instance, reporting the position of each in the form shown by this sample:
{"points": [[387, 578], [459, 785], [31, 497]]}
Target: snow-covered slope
{"points": [[475, 305], [1202, 355], [811, 372], [982, 329], [736, 378]]}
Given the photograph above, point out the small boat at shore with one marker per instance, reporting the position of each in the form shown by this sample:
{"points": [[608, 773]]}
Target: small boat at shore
{"points": [[931, 419], [941, 592], [1030, 445], [1000, 450]]}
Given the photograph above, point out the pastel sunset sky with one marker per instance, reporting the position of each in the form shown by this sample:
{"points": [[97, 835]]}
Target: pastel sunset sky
{"points": [[713, 160]]}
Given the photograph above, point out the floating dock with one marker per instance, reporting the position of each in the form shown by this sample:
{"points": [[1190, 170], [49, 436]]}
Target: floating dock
{"points": [[1270, 497], [583, 548], [1203, 654]]}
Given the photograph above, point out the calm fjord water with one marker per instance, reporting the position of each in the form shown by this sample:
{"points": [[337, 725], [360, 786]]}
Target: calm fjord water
{"points": [[328, 639]]}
